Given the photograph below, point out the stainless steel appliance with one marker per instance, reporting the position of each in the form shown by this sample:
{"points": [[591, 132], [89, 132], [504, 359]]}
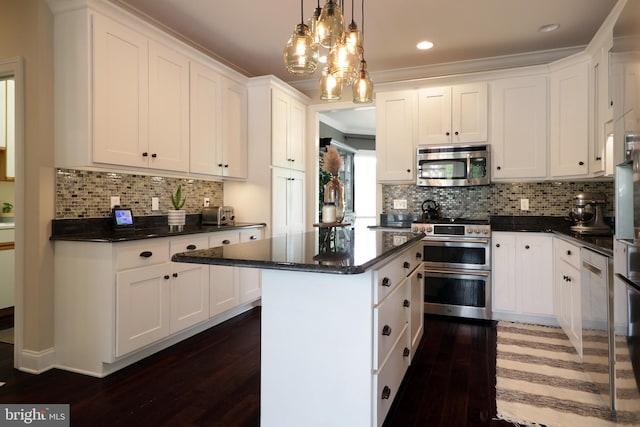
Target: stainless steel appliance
{"points": [[453, 165], [587, 212], [456, 263], [218, 215]]}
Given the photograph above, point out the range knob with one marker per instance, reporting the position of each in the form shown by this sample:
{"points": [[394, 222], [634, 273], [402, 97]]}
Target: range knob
{"points": [[429, 229], [477, 231], [485, 231], [469, 230]]}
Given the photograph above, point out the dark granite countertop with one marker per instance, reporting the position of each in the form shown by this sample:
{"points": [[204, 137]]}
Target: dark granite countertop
{"points": [[348, 251], [147, 227], [560, 226]]}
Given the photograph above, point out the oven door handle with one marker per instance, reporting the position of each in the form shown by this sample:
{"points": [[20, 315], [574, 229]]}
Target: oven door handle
{"points": [[484, 273], [432, 242]]}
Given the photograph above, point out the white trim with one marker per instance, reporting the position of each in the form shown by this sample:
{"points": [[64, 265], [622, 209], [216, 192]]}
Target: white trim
{"points": [[37, 362]]}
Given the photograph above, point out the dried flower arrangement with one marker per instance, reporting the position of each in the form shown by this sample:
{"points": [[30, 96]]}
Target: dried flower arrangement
{"points": [[332, 161]]}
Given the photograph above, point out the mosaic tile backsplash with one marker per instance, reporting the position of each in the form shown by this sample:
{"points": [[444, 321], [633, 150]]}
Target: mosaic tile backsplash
{"points": [[86, 194], [545, 198]]}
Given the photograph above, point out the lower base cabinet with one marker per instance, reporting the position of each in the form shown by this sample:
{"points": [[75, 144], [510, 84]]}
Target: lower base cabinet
{"points": [[567, 290], [119, 302]]}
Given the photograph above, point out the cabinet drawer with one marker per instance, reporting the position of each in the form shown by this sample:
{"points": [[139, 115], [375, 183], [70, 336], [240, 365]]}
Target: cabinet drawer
{"points": [[136, 254], [389, 319], [189, 243], [388, 379], [250, 234], [224, 238], [567, 252], [393, 273]]}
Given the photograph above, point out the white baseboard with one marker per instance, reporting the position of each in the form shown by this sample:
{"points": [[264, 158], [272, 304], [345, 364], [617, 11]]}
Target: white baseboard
{"points": [[37, 362]]}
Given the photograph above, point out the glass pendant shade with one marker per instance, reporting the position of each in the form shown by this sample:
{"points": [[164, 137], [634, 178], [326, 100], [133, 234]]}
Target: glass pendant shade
{"points": [[313, 24], [330, 28], [330, 86], [363, 86], [340, 60], [300, 52], [354, 39]]}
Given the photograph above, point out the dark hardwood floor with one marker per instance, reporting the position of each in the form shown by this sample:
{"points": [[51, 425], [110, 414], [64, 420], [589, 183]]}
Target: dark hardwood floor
{"points": [[213, 379]]}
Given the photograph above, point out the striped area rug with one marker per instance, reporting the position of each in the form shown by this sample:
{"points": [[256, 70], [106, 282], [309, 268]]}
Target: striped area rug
{"points": [[541, 381]]}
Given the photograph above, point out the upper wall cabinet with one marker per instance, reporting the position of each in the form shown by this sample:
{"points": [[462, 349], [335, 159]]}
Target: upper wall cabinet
{"points": [[569, 118], [287, 131], [395, 136], [456, 114], [519, 127], [124, 98]]}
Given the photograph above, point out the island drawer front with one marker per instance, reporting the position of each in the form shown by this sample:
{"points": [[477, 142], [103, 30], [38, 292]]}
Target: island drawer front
{"points": [[392, 274], [251, 234], [141, 254], [223, 238], [390, 317], [387, 381], [567, 252]]}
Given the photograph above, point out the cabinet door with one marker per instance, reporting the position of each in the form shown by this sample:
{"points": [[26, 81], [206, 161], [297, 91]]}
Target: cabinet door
{"points": [[535, 275], [503, 272], [295, 147], [206, 120], [569, 121], [168, 109], [142, 307], [295, 203], [250, 278], [416, 325], [279, 200], [120, 72], [519, 127], [234, 129], [434, 115], [469, 113], [280, 128], [570, 306], [223, 289], [395, 136]]}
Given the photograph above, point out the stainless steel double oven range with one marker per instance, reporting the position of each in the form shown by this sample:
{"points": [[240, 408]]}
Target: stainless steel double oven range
{"points": [[457, 267]]}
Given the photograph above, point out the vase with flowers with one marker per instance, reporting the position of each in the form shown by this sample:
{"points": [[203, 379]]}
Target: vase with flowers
{"points": [[334, 194]]}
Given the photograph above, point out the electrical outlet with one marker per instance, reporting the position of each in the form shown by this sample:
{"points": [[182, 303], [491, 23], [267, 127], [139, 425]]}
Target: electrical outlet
{"points": [[399, 240], [524, 204], [115, 201], [155, 203], [399, 204], [206, 202]]}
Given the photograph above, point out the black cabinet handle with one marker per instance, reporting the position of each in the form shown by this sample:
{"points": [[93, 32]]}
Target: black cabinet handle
{"points": [[386, 282], [253, 237], [499, 168], [145, 154], [497, 245], [386, 330], [581, 163], [420, 276], [226, 166], [219, 165], [568, 252], [526, 246], [226, 242], [418, 255], [146, 254], [166, 277], [448, 133], [175, 275], [154, 155], [406, 352], [406, 303], [386, 393], [408, 170], [598, 158], [457, 133], [191, 247], [406, 264]]}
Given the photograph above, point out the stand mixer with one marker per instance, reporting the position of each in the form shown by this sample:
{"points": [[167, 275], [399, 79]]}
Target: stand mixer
{"points": [[587, 212]]}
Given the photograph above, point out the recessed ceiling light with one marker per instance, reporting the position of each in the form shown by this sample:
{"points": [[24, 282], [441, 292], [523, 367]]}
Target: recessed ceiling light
{"points": [[548, 28], [424, 45]]}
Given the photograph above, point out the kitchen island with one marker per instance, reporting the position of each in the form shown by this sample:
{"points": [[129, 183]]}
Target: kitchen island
{"points": [[342, 314]]}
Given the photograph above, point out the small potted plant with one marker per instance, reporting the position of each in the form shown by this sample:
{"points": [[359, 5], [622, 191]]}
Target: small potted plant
{"points": [[6, 215], [177, 216]]}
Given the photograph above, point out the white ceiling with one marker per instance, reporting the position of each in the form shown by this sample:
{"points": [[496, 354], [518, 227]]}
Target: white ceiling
{"points": [[249, 35]]}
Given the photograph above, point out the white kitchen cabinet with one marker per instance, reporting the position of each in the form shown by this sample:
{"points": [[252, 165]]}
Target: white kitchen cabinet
{"points": [[218, 107], [7, 130], [224, 290], [522, 286], [250, 278], [416, 323], [7, 267], [519, 128], [569, 119], [456, 114], [567, 290], [602, 108], [288, 201], [395, 136], [287, 131]]}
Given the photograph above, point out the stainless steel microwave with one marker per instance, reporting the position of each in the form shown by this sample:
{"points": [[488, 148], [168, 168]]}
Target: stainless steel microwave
{"points": [[453, 165]]}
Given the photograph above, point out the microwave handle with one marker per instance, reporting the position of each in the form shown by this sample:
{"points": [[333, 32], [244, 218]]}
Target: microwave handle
{"points": [[468, 168]]}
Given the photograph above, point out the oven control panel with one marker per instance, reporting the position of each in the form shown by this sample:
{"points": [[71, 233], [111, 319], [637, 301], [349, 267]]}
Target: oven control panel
{"points": [[444, 230]]}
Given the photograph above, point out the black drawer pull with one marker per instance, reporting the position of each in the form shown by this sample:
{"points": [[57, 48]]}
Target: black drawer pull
{"points": [[145, 154], [386, 282], [418, 255], [254, 237], [497, 245], [406, 303], [581, 163], [386, 330], [191, 247], [220, 165], [420, 276], [167, 277], [154, 155], [146, 254], [526, 246], [406, 352], [175, 274], [568, 252], [386, 393], [406, 264], [226, 242]]}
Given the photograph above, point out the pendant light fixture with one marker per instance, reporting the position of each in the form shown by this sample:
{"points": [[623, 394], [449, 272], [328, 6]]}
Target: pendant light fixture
{"points": [[345, 58], [301, 52]]}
